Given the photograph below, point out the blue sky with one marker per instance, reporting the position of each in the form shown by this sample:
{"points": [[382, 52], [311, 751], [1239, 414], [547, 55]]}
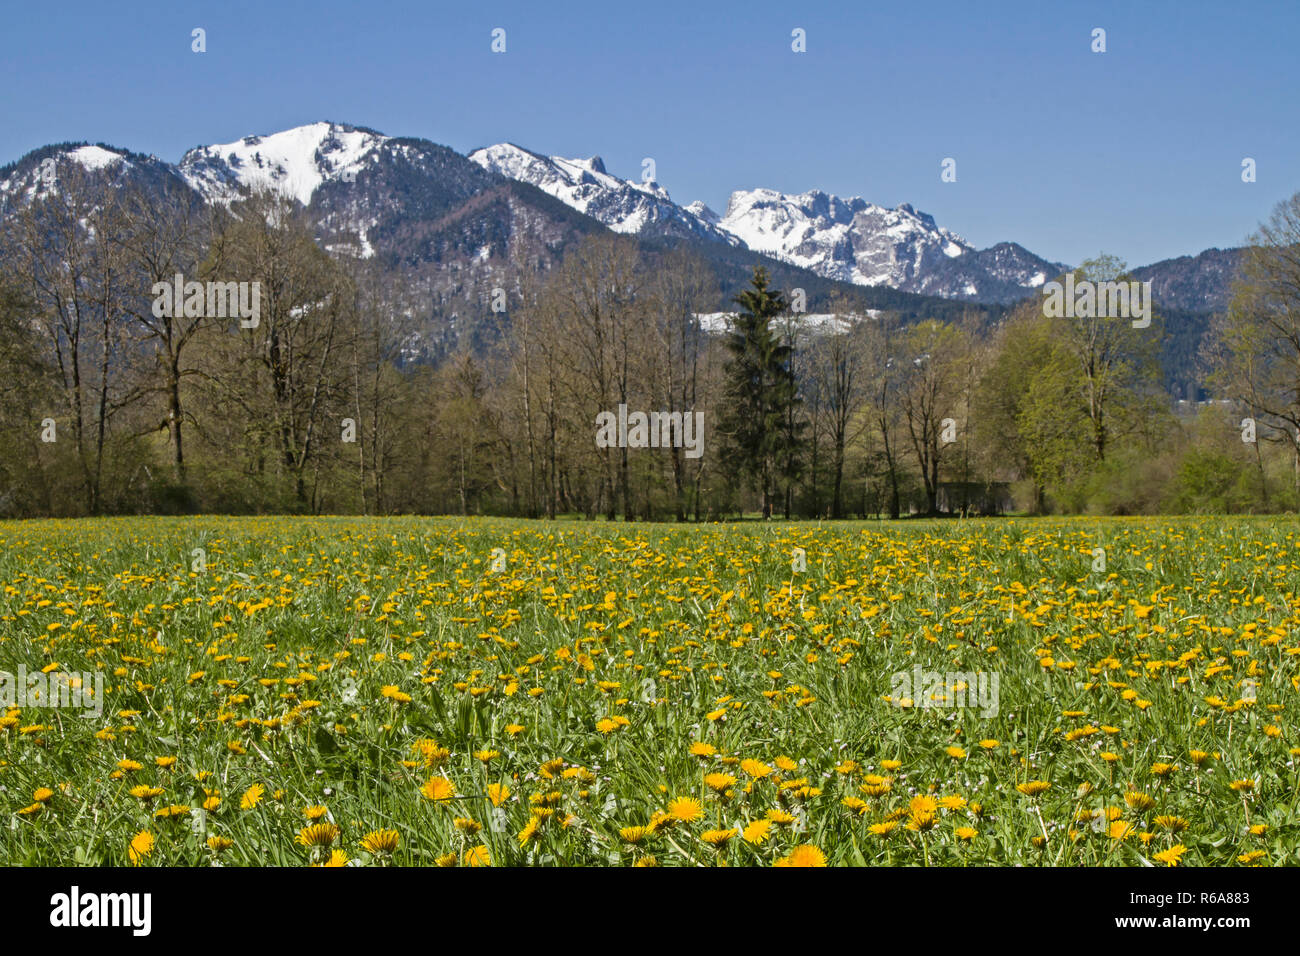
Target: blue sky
{"points": [[1136, 151]]}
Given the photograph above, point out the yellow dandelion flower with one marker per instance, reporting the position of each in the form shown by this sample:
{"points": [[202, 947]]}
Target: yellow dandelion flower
{"points": [[634, 835], [337, 858], [757, 831], [1120, 830], [685, 810], [317, 834], [380, 841], [1171, 856], [530, 830], [1139, 801], [438, 789], [140, 847], [717, 837], [805, 855], [922, 805], [719, 782]]}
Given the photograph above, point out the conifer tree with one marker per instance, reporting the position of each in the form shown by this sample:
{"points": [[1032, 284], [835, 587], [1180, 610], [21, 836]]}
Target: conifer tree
{"points": [[761, 393]]}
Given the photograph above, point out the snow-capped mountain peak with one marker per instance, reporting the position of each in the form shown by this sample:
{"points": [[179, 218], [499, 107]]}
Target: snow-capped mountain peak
{"points": [[626, 206], [702, 212], [24, 181], [848, 239], [295, 160]]}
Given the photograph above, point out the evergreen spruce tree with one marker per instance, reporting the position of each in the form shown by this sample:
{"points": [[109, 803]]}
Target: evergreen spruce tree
{"points": [[761, 395]]}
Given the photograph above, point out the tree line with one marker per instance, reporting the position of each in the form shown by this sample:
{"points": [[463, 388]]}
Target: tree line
{"points": [[328, 404]]}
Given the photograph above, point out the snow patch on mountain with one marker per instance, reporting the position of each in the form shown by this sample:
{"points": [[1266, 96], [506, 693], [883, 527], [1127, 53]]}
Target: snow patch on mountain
{"points": [[94, 157], [718, 323], [296, 161]]}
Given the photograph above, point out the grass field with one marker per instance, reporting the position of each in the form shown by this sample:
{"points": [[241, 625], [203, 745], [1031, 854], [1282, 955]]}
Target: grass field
{"points": [[283, 691]]}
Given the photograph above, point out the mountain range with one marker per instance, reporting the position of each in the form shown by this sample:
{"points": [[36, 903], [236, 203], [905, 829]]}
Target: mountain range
{"points": [[449, 220], [847, 240]]}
